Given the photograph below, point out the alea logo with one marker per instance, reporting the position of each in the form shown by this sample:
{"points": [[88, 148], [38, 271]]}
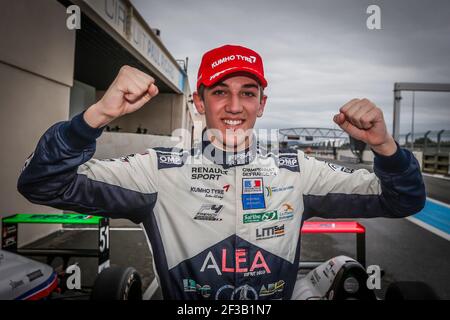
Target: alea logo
{"points": [[258, 263]]}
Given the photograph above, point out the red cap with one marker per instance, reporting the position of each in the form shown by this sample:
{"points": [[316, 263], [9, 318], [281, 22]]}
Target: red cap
{"points": [[220, 62]]}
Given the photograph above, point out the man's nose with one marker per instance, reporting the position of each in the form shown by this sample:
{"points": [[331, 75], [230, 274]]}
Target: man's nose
{"points": [[234, 104]]}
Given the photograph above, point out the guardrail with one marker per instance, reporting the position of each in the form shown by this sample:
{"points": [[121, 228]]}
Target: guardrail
{"points": [[435, 146]]}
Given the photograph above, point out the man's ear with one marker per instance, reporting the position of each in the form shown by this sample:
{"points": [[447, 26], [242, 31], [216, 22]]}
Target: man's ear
{"points": [[261, 106], [199, 104]]}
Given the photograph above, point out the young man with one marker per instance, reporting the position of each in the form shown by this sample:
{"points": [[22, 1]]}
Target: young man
{"points": [[228, 226]]}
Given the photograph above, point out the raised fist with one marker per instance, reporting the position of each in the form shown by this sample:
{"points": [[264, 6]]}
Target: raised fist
{"points": [[364, 121], [130, 90]]}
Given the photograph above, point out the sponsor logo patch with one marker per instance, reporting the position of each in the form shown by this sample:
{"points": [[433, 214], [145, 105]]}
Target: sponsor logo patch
{"points": [[211, 192], [339, 168], [286, 212], [260, 217], [229, 292], [289, 162], [271, 190], [259, 172], [34, 275], [207, 173], [170, 159], [251, 186], [190, 285], [270, 232], [253, 193], [272, 288], [239, 263], [209, 212]]}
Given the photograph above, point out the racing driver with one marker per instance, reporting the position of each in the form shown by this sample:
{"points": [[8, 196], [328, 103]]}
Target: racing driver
{"points": [[223, 223]]}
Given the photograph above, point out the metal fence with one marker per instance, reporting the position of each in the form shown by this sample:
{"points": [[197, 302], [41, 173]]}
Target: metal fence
{"points": [[435, 148], [428, 142]]}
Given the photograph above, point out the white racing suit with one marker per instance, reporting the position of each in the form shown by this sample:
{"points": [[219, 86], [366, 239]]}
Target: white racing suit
{"points": [[218, 229]]}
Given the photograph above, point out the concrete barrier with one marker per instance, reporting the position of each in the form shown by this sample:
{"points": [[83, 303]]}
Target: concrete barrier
{"points": [[116, 144]]}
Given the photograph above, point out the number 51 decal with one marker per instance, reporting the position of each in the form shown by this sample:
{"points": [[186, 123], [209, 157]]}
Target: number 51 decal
{"points": [[103, 244]]}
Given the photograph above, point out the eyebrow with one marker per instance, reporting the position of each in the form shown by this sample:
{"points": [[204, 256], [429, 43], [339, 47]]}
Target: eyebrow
{"points": [[250, 85], [246, 86]]}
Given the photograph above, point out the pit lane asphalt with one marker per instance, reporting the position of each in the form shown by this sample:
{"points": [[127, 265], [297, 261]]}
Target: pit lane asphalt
{"points": [[405, 251]]}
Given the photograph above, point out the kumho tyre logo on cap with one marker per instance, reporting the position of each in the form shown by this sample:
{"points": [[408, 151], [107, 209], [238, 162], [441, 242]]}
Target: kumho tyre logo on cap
{"points": [[249, 59]]}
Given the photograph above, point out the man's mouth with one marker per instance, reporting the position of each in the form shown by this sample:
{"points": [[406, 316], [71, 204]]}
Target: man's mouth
{"points": [[233, 122]]}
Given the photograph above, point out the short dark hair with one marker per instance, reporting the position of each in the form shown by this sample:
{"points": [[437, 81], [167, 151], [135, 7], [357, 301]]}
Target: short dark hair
{"points": [[202, 87]]}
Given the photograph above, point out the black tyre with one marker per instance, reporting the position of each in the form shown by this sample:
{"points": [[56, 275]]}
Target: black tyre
{"points": [[410, 290], [117, 283]]}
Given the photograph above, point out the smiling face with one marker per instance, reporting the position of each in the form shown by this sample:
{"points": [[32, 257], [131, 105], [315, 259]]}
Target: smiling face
{"points": [[231, 107]]}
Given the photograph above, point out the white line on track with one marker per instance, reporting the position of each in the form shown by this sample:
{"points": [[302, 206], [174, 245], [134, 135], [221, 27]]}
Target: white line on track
{"points": [[428, 227], [432, 229], [439, 202], [150, 290]]}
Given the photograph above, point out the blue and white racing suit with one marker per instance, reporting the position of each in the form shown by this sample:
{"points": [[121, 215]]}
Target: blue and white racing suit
{"points": [[222, 227]]}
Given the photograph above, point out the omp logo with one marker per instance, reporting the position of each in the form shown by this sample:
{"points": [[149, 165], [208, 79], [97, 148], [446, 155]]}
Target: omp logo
{"points": [[241, 259], [289, 162], [170, 159], [260, 217], [238, 57], [270, 232]]}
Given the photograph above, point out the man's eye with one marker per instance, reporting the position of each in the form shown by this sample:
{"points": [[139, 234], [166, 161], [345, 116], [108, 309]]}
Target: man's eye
{"points": [[249, 94], [218, 92]]}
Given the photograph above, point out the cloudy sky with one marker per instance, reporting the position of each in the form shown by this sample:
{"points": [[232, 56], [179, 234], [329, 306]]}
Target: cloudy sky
{"points": [[319, 54]]}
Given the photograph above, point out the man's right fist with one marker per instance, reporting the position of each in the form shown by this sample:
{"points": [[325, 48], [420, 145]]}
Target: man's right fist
{"points": [[130, 90]]}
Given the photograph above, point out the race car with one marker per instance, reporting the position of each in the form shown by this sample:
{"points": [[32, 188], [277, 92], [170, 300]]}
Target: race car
{"points": [[22, 278]]}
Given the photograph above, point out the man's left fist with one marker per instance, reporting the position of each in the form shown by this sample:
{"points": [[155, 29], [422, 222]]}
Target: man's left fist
{"points": [[364, 121]]}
